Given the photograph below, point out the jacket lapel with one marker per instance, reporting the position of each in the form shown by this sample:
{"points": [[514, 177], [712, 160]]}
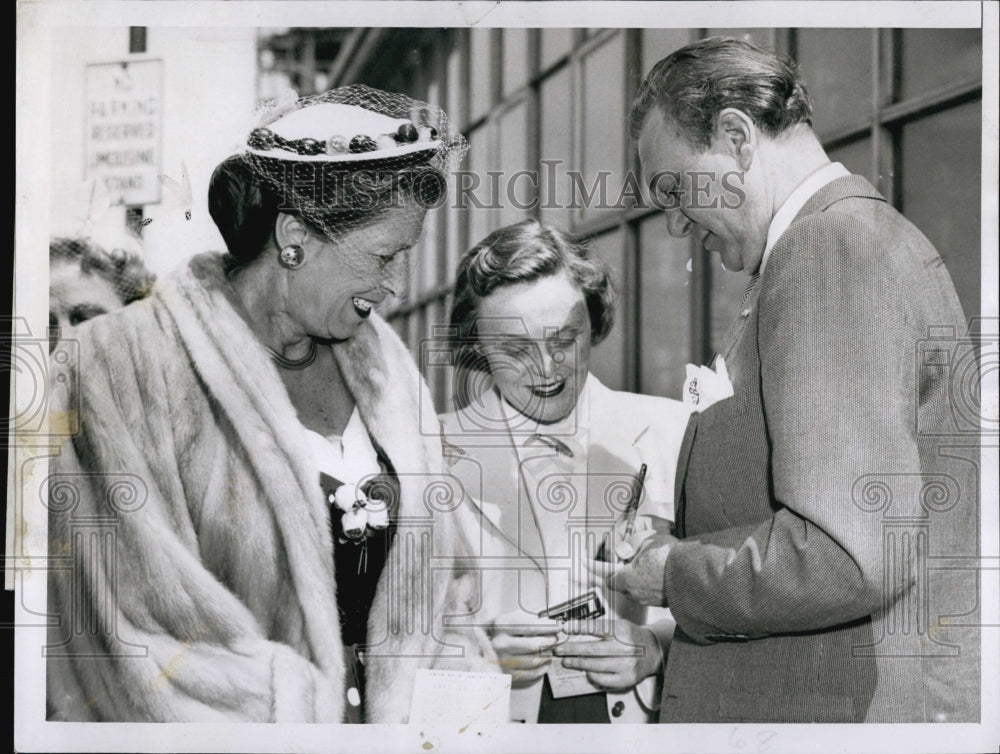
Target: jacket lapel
{"points": [[683, 458], [835, 191], [845, 187]]}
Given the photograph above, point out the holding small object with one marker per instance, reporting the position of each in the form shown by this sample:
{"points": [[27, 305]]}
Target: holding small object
{"points": [[627, 539], [530, 304], [625, 547], [584, 607], [611, 654], [523, 645]]}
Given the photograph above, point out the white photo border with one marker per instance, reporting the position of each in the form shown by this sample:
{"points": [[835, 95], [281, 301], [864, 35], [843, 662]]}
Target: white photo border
{"points": [[33, 54]]}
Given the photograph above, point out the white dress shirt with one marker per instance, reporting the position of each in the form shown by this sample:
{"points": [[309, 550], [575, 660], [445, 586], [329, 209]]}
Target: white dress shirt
{"points": [[796, 201], [563, 579]]}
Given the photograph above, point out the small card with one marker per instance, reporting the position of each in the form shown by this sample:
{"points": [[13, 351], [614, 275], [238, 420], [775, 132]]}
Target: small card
{"points": [[567, 682], [455, 696]]}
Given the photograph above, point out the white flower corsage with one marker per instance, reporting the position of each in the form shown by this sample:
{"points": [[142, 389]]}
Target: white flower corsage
{"points": [[704, 386], [362, 515]]}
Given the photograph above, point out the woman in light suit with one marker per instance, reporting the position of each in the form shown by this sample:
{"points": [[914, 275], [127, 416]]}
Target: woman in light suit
{"points": [[550, 457]]}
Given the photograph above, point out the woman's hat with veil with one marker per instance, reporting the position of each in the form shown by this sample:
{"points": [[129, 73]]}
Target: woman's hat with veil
{"points": [[340, 158]]}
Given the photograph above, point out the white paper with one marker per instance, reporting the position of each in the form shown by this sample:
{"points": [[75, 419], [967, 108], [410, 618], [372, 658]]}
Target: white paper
{"points": [[566, 682], [454, 696]]}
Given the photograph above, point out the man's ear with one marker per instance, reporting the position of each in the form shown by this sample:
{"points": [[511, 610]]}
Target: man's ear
{"points": [[289, 230], [737, 134]]}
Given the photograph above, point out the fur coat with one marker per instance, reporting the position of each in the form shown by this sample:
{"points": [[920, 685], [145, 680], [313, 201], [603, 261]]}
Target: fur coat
{"points": [[202, 585]]}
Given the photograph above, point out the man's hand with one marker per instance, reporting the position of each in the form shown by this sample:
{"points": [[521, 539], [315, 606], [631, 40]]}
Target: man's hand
{"points": [[523, 644], [623, 654], [641, 578]]}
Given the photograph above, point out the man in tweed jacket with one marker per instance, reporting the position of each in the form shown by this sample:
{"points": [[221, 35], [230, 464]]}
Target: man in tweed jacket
{"points": [[827, 512]]}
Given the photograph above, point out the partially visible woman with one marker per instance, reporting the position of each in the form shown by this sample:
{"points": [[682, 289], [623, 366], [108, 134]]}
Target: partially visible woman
{"points": [[85, 281], [246, 430], [552, 455]]}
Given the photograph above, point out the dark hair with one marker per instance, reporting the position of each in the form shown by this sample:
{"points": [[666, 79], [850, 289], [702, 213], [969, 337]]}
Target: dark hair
{"points": [[694, 84], [244, 200], [520, 253], [124, 270]]}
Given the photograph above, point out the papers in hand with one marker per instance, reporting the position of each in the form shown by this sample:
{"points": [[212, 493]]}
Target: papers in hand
{"points": [[567, 682], [458, 697], [703, 386]]}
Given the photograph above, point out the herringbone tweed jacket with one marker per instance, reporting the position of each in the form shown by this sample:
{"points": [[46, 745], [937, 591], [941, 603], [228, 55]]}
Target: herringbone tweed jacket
{"points": [[830, 508]]}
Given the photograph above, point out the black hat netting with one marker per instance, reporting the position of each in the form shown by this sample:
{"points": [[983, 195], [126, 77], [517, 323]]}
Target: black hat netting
{"points": [[345, 158]]}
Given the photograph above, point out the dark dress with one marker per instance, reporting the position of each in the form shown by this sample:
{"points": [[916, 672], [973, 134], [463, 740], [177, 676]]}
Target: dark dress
{"points": [[357, 566]]}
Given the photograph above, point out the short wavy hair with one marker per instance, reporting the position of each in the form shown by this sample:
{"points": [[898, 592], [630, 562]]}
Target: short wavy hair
{"points": [[123, 269], [519, 253], [692, 85]]}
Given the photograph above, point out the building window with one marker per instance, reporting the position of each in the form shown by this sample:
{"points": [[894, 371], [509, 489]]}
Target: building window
{"points": [[556, 146], [602, 137], [608, 361], [665, 292], [842, 92], [480, 65]]}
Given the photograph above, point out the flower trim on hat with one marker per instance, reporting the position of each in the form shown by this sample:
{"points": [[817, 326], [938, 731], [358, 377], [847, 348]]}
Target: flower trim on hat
{"points": [[341, 156], [264, 139]]}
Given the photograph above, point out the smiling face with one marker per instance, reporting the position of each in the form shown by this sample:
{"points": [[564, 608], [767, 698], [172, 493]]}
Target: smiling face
{"points": [[705, 193], [343, 281], [535, 337], [76, 296]]}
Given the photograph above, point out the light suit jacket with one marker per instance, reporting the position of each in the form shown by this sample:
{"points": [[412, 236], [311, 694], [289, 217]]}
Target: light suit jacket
{"points": [[830, 507], [522, 550]]}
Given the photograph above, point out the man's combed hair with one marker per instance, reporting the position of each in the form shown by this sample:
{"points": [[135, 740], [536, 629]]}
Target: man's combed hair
{"points": [[520, 253], [694, 84]]}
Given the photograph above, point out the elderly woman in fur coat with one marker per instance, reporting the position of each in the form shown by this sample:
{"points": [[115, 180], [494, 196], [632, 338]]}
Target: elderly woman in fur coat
{"points": [[244, 501]]}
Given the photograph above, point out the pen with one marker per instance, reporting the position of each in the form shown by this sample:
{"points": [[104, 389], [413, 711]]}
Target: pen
{"points": [[630, 510], [633, 503]]}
